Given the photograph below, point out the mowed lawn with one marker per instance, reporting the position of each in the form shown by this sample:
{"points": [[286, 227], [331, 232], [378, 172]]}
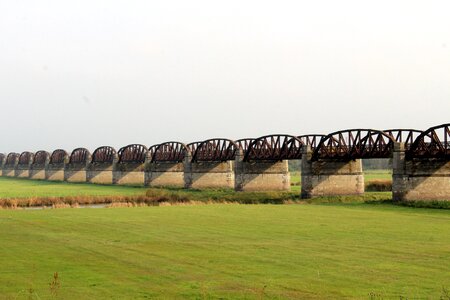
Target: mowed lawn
{"points": [[26, 188], [359, 251]]}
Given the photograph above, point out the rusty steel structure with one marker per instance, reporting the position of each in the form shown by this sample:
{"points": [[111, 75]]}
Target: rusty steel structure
{"points": [[58, 156], [104, 154], [215, 150], [2, 158], [432, 143], [11, 158], [40, 158], [79, 155], [134, 153], [406, 136], [168, 152], [311, 140], [274, 148], [25, 158], [243, 144], [354, 144]]}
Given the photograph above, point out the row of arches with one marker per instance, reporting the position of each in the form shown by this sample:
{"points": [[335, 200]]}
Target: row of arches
{"points": [[345, 144]]}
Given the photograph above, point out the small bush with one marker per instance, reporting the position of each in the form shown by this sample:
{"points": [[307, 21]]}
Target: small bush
{"points": [[379, 185]]}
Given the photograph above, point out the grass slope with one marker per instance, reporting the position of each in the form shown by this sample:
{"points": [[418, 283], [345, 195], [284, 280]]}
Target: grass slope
{"points": [[232, 251]]}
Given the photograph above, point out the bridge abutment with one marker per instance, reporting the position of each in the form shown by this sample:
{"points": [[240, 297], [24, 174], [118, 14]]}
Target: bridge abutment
{"points": [[419, 179], [330, 177]]}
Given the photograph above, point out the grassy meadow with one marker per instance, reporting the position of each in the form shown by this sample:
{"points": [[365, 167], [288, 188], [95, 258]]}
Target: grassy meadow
{"points": [[356, 251]]}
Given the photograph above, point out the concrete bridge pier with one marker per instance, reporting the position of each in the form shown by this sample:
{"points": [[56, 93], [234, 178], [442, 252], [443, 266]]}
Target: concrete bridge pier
{"points": [[261, 175], [164, 174], [208, 174], [76, 172], [55, 171], [129, 173], [9, 168], [327, 177], [100, 172], [419, 179]]}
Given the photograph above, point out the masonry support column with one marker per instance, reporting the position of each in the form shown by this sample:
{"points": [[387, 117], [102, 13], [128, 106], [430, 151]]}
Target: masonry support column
{"points": [[208, 174], [399, 178], [261, 175], [329, 177], [420, 178]]}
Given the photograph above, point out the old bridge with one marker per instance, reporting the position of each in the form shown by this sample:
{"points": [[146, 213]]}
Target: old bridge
{"points": [[331, 164]]}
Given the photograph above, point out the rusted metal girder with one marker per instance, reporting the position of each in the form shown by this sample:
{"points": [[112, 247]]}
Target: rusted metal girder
{"points": [[40, 157], [25, 158], [104, 154], [432, 143], [311, 140], [406, 136], [243, 144], [216, 150], [168, 152], [58, 156], [79, 155], [192, 147], [2, 158], [11, 158], [134, 153], [274, 148], [355, 144]]}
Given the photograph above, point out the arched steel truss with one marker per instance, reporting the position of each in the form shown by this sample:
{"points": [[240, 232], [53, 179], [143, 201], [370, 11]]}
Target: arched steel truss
{"points": [[104, 154], [311, 140], [243, 144], [168, 152], [2, 159], [26, 158], [58, 156], [273, 148], [215, 150], [432, 143], [406, 136], [12, 158], [79, 155], [40, 158], [355, 144], [134, 153]]}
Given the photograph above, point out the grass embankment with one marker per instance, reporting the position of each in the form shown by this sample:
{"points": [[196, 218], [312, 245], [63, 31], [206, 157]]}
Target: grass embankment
{"points": [[226, 251]]}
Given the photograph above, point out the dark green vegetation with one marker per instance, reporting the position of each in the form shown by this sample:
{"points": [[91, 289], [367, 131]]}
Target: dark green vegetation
{"points": [[233, 251]]}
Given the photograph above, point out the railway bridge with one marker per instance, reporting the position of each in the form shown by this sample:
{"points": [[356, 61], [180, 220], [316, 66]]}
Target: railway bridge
{"points": [[330, 163]]}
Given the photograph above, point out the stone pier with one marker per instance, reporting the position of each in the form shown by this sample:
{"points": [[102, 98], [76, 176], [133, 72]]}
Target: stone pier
{"points": [[129, 174], [419, 179], [261, 175], [164, 174], [326, 177], [208, 174]]}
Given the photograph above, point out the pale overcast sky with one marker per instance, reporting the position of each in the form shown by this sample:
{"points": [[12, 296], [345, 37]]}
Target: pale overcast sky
{"points": [[92, 73]]}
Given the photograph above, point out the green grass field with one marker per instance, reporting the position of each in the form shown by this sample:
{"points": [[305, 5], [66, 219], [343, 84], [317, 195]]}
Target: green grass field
{"points": [[25, 188], [226, 251]]}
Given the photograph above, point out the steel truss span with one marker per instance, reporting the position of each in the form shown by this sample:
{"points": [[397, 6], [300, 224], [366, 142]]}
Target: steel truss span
{"points": [[348, 144], [274, 148], [104, 154], [40, 158], [432, 143], [79, 155], [134, 153], [168, 152], [214, 150], [25, 158], [355, 144], [58, 156]]}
